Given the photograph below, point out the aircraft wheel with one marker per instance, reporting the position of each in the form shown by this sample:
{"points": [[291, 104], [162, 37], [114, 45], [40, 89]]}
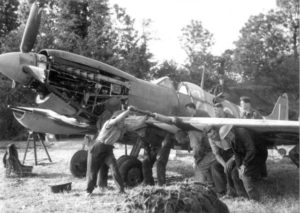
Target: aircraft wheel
{"points": [[122, 159], [282, 152], [131, 170], [78, 164], [294, 155]]}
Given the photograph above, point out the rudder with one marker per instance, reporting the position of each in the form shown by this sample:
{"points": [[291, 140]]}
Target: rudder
{"points": [[280, 110]]}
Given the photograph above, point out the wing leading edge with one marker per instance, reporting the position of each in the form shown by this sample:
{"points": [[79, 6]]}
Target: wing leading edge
{"points": [[279, 131]]}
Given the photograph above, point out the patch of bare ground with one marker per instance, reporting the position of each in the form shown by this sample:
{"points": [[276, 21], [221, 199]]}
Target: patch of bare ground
{"points": [[32, 194]]}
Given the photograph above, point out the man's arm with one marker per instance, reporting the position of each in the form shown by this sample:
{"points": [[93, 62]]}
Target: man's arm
{"points": [[248, 144], [118, 118], [197, 145], [216, 152], [238, 159]]}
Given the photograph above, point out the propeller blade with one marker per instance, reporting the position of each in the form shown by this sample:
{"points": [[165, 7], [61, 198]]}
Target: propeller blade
{"points": [[31, 29]]}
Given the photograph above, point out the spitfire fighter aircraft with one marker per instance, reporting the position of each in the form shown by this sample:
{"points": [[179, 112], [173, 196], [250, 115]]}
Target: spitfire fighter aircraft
{"points": [[74, 92]]}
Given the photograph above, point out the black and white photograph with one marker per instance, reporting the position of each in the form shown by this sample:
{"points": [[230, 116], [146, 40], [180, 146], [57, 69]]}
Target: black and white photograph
{"points": [[139, 106]]}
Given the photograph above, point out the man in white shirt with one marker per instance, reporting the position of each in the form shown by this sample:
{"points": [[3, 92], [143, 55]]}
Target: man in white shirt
{"points": [[101, 153]]}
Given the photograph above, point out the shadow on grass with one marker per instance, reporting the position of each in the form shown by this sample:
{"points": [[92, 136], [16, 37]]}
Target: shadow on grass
{"points": [[180, 169], [52, 175], [282, 182], [46, 164]]}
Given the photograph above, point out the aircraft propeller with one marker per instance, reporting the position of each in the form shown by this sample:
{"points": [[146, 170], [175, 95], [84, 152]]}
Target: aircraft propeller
{"points": [[31, 29], [15, 65]]}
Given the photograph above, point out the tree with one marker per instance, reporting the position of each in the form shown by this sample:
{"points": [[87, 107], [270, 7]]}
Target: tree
{"points": [[264, 46], [8, 19], [167, 68], [72, 23], [171, 70], [8, 16], [101, 38], [133, 51], [196, 41], [291, 10]]}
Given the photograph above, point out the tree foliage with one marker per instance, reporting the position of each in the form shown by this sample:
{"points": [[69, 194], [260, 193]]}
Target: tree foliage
{"points": [[172, 70], [197, 41], [8, 16], [266, 50]]}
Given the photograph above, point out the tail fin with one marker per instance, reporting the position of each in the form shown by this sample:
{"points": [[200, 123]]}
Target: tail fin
{"points": [[281, 109]]}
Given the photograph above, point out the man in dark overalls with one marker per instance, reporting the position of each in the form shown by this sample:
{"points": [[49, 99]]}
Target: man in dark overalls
{"points": [[156, 151], [221, 170], [249, 161], [247, 112], [246, 109]]}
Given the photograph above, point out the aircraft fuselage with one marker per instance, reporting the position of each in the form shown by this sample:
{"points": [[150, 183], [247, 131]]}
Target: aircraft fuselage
{"points": [[81, 87]]}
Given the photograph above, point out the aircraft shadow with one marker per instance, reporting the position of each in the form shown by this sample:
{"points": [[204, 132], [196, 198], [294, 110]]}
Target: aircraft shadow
{"points": [[52, 175]]}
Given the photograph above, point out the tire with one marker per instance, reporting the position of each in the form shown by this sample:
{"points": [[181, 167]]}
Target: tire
{"points": [[78, 164], [122, 159], [282, 152], [131, 171]]}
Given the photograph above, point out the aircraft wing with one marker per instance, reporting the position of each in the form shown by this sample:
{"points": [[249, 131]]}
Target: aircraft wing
{"points": [[273, 131], [200, 123]]}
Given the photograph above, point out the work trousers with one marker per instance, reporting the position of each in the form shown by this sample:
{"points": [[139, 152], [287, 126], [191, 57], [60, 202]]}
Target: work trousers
{"points": [[245, 186], [100, 158], [248, 181], [202, 168], [160, 155], [263, 154], [162, 159], [148, 162], [223, 180]]}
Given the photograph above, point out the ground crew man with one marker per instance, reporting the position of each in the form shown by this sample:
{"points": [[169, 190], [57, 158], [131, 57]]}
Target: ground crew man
{"points": [[246, 109], [222, 169], [202, 153], [159, 153], [220, 113], [248, 158], [248, 112], [101, 152]]}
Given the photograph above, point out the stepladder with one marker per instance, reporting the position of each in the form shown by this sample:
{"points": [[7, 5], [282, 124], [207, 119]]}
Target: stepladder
{"points": [[35, 137]]}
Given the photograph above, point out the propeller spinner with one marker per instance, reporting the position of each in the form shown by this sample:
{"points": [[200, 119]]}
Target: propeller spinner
{"points": [[12, 64]]}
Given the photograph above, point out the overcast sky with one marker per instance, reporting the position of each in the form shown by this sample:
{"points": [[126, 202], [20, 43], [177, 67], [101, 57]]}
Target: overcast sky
{"points": [[223, 18]]}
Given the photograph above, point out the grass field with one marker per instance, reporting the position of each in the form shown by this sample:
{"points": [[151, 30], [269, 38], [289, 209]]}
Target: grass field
{"points": [[32, 194]]}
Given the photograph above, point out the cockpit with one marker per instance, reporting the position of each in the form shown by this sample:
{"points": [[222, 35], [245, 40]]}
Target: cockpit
{"points": [[165, 82]]}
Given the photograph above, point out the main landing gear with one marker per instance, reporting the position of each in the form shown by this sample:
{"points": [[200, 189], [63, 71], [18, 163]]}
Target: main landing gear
{"points": [[130, 166]]}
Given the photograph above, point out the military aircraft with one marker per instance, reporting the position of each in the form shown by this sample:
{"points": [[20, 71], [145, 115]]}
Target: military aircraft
{"points": [[73, 92]]}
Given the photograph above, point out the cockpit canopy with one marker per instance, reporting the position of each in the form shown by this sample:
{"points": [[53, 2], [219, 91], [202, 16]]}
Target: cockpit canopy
{"points": [[165, 82], [191, 89]]}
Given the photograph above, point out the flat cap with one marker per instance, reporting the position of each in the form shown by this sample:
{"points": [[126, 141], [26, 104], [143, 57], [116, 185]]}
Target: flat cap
{"points": [[245, 98]]}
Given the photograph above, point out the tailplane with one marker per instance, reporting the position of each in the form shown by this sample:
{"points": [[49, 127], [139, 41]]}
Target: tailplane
{"points": [[280, 110]]}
